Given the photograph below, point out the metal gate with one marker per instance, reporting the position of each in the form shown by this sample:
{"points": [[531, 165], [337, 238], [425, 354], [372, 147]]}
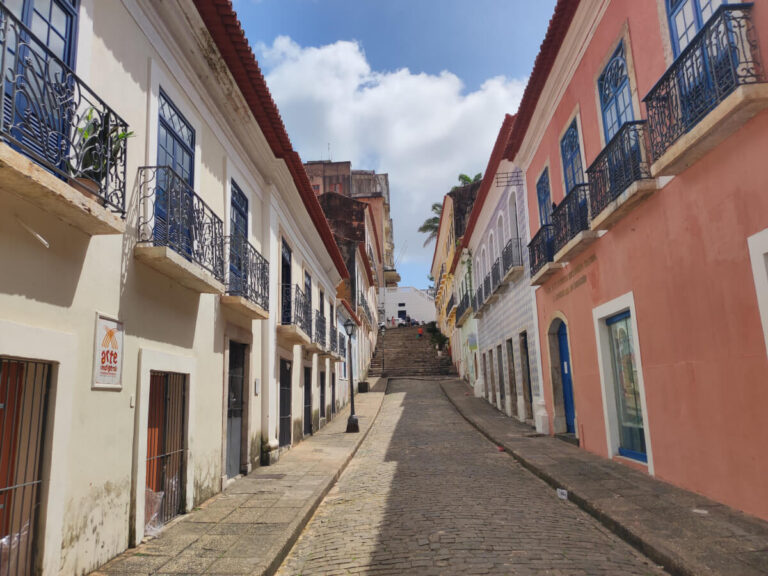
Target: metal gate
{"points": [[235, 408], [24, 391], [165, 447], [307, 401], [285, 403]]}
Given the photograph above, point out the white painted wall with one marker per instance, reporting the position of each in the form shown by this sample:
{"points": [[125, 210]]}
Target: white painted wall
{"points": [[418, 304]]}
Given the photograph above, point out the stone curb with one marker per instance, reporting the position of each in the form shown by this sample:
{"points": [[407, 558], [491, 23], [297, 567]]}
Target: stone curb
{"points": [[284, 548], [671, 562]]}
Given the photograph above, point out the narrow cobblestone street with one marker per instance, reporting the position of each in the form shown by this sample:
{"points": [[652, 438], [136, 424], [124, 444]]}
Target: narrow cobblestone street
{"points": [[427, 494]]}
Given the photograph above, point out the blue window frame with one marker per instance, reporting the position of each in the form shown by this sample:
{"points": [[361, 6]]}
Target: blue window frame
{"points": [[570, 150], [173, 205], [53, 22], [615, 95], [629, 409], [686, 18], [238, 220], [545, 198]]}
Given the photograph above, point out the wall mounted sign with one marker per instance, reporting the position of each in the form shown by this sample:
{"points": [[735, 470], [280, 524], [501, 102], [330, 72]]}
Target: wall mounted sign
{"points": [[108, 354]]}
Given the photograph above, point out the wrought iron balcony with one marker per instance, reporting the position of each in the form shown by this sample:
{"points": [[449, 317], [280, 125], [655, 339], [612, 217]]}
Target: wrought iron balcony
{"points": [[541, 248], [496, 275], [487, 287], [451, 304], [463, 308], [571, 216], [362, 303], [623, 161], [248, 272], [512, 256], [172, 216], [478, 300], [320, 326], [721, 57], [334, 337], [52, 116], [295, 309]]}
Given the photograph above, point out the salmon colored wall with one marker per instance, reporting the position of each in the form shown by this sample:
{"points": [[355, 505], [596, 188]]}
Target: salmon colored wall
{"points": [[683, 253]]}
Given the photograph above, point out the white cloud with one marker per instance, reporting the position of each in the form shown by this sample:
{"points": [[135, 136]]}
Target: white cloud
{"points": [[422, 129]]}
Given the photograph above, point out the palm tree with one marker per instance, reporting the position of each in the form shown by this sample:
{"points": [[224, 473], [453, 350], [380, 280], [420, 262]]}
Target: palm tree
{"points": [[465, 180], [432, 224]]}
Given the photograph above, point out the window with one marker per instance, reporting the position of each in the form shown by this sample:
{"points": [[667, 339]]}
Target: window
{"points": [[570, 151], [401, 304], [512, 215], [53, 23], [308, 289], [625, 385], [615, 96], [686, 18], [176, 141], [238, 220], [500, 230], [545, 198]]}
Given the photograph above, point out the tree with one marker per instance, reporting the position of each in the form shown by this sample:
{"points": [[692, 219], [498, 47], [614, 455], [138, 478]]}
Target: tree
{"points": [[431, 225]]}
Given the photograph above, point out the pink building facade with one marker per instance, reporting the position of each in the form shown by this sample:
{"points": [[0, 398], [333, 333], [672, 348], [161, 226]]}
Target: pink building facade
{"points": [[643, 137]]}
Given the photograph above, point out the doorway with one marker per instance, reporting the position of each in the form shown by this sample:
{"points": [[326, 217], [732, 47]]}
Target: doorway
{"points": [[502, 391], [166, 430], [322, 395], [493, 378], [285, 403], [235, 408], [307, 400], [567, 381], [525, 366], [24, 393], [285, 288], [333, 393], [511, 374]]}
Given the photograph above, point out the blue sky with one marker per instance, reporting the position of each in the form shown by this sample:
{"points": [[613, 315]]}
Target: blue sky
{"points": [[415, 88]]}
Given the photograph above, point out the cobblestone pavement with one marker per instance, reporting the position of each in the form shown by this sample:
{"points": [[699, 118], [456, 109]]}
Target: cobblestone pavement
{"points": [[427, 494]]}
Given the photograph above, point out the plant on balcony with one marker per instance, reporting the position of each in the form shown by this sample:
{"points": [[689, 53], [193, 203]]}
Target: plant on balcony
{"points": [[98, 144]]}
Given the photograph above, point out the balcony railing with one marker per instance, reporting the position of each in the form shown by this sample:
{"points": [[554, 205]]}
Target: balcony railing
{"points": [[541, 248], [721, 57], [571, 216], [623, 161], [462, 308], [496, 275], [363, 303], [451, 304], [487, 287], [248, 272], [56, 119], [334, 337], [512, 255], [172, 215], [295, 308], [320, 326], [479, 299]]}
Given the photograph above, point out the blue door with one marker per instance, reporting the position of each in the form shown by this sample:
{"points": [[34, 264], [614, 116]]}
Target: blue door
{"points": [[565, 374]]}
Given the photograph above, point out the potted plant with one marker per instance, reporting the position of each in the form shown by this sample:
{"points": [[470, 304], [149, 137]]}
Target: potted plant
{"points": [[96, 144]]}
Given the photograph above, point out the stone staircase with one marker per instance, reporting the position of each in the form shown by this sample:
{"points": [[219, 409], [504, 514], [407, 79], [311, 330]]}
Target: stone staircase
{"points": [[400, 352]]}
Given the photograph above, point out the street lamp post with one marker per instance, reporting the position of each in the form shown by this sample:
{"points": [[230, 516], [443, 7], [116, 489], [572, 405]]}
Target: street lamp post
{"points": [[352, 424]]}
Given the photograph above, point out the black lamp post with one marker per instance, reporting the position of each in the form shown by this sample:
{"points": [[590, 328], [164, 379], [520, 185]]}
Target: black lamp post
{"points": [[352, 425]]}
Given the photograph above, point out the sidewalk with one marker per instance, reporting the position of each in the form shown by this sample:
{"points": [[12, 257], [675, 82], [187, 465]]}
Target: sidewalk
{"points": [[686, 533], [252, 525]]}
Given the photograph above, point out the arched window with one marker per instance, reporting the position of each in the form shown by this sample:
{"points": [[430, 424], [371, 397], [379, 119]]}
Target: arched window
{"points": [[491, 251], [512, 216], [615, 95], [500, 231], [571, 153], [686, 18]]}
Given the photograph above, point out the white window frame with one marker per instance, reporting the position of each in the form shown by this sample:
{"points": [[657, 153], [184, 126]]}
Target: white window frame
{"points": [[758, 254], [602, 336]]}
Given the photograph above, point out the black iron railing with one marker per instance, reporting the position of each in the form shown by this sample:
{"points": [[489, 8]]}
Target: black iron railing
{"points": [[55, 118], [363, 303], [451, 304], [541, 248], [571, 216], [463, 306], [512, 255], [496, 275], [624, 160], [334, 337], [319, 328], [479, 298], [487, 291], [720, 58], [294, 308], [172, 215], [248, 271]]}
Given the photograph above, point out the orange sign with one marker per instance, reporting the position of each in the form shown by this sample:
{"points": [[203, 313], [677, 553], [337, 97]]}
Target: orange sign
{"points": [[108, 354]]}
